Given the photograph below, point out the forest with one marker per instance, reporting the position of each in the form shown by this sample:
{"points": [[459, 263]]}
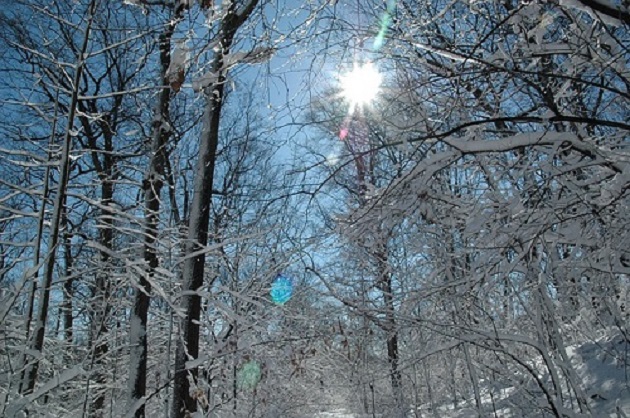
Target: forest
{"points": [[315, 208]]}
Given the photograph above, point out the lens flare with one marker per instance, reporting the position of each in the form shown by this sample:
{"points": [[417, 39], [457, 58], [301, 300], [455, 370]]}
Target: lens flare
{"points": [[386, 22], [343, 133], [249, 375], [281, 290], [379, 41]]}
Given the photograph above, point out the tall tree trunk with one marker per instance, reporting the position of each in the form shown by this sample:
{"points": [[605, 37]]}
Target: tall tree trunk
{"points": [[40, 234], [188, 343], [101, 293], [68, 291], [105, 163], [473, 378], [199, 218], [386, 286], [64, 168], [38, 245], [152, 186], [392, 343]]}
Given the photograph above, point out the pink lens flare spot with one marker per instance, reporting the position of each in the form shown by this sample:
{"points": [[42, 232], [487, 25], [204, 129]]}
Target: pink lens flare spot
{"points": [[343, 133]]}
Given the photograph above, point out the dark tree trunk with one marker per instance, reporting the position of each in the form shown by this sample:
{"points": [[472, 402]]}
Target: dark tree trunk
{"points": [[199, 220], [392, 341], [101, 297], [386, 286], [64, 168], [68, 290], [188, 345], [152, 186], [105, 163]]}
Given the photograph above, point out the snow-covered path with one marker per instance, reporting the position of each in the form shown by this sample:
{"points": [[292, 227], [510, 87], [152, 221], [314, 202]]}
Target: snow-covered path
{"points": [[338, 413]]}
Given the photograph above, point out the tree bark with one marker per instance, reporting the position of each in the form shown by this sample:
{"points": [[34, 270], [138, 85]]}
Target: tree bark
{"points": [[392, 342], [152, 186], [68, 291], [386, 287], [199, 219], [102, 292], [38, 246], [64, 169]]}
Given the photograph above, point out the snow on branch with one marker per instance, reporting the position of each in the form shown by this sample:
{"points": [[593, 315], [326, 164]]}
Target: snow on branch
{"points": [[608, 12], [524, 139], [255, 56], [50, 385], [179, 61], [454, 56]]}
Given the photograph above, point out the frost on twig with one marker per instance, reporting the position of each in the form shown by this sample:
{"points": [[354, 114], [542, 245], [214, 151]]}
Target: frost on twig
{"points": [[256, 56]]}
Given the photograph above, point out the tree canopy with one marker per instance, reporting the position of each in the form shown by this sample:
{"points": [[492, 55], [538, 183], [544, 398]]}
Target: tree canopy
{"points": [[257, 208]]}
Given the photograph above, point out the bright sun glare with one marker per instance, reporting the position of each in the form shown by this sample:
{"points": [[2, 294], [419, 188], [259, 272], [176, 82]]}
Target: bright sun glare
{"points": [[360, 86]]}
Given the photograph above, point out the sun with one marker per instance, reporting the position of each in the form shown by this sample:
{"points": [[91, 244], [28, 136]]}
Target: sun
{"points": [[361, 85]]}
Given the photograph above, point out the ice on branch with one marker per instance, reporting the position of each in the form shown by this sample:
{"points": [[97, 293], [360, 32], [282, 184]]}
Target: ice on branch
{"points": [[607, 18], [256, 56], [185, 3], [204, 81]]}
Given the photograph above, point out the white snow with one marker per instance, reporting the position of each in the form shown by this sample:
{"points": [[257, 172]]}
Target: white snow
{"points": [[602, 370], [204, 81], [601, 366], [179, 57], [256, 56], [60, 379], [609, 20], [338, 413]]}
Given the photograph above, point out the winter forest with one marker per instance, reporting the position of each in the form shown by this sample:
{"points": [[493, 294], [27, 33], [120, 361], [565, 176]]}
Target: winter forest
{"points": [[314, 208]]}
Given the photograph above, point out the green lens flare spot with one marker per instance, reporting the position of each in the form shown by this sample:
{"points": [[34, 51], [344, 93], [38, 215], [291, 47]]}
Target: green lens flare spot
{"points": [[249, 376]]}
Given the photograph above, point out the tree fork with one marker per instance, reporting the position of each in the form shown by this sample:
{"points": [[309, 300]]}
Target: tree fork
{"points": [[199, 220], [55, 221], [152, 186]]}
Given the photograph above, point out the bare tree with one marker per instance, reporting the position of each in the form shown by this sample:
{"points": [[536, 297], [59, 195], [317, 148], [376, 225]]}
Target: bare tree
{"points": [[152, 185], [199, 215], [64, 164], [506, 152]]}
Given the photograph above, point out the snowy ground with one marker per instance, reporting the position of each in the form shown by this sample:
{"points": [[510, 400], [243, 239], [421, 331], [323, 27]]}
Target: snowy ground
{"points": [[602, 368], [339, 413]]}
